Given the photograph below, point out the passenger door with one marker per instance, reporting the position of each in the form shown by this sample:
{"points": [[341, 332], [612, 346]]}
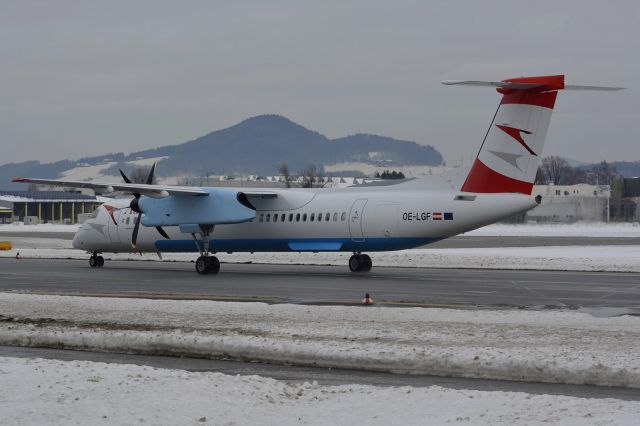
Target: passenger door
{"points": [[355, 220]]}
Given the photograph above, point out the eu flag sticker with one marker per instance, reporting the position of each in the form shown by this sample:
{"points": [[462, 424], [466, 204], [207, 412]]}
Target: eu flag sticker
{"points": [[448, 216]]}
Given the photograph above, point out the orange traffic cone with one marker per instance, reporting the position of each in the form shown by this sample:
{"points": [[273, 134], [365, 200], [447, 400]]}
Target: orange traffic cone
{"points": [[367, 300]]}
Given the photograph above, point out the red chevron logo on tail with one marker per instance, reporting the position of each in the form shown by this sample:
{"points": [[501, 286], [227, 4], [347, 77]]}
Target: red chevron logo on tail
{"points": [[517, 135]]}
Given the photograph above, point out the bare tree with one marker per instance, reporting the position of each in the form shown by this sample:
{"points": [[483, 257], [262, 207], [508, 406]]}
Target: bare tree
{"points": [[309, 176], [140, 174], [541, 179], [556, 170], [283, 169], [604, 173]]}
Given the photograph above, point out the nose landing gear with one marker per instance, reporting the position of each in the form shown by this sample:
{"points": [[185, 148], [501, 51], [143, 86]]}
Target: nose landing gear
{"points": [[96, 261], [360, 263]]}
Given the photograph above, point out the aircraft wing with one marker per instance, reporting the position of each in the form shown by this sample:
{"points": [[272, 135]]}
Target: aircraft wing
{"points": [[154, 191]]}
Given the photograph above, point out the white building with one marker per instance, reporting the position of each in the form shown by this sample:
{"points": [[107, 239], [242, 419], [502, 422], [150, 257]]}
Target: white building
{"points": [[571, 203]]}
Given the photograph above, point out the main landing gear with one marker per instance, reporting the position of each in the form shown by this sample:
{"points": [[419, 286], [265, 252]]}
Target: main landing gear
{"points": [[360, 262], [96, 261], [206, 264]]}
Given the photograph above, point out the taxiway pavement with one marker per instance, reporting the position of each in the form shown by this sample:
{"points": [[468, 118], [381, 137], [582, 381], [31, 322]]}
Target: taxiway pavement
{"points": [[601, 292]]}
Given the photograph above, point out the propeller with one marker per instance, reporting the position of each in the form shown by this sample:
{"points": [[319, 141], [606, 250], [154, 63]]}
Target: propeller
{"points": [[136, 208]]}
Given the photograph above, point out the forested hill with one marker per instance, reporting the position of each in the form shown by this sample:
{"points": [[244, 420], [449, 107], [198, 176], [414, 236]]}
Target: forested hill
{"points": [[253, 146]]}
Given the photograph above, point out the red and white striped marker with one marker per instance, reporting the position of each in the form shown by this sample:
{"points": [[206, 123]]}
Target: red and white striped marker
{"points": [[367, 300]]}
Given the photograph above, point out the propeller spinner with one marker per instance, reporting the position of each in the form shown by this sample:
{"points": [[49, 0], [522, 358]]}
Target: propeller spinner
{"points": [[134, 206]]}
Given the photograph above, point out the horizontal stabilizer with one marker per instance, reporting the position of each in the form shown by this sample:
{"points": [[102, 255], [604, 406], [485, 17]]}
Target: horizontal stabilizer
{"points": [[595, 88], [515, 85], [501, 84]]}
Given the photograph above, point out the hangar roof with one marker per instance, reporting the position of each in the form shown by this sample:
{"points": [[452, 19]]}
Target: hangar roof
{"points": [[44, 196]]}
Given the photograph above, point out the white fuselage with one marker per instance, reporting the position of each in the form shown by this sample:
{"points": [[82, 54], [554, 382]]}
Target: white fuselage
{"points": [[354, 219]]}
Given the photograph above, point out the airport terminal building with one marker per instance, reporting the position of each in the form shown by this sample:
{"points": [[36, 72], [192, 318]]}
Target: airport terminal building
{"points": [[45, 206]]}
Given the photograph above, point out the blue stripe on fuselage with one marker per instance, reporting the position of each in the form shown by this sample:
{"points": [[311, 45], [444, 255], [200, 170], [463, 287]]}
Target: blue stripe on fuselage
{"points": [[304, 244]]}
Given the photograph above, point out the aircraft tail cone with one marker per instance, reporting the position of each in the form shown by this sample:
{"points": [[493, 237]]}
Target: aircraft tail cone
{"points": [[367, 300]]}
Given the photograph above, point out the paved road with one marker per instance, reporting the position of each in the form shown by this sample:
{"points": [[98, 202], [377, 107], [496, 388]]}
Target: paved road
{"points": [[327, 376], [326, 284]]}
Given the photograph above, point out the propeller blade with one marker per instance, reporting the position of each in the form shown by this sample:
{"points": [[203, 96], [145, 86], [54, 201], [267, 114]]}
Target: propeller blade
{"points": [[150, 177], [161, 231], [134, 236], [126, 179]]}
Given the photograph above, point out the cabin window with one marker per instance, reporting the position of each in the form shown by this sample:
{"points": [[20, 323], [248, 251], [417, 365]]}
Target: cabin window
{"points": [[319, 217], [290, 217], [312, 217], [335, 216], [128, 219], [304, 217], [327, 217], [283, 217], [261, 217], [298, 217], [343, 216], [268, 217], [275, 217]]}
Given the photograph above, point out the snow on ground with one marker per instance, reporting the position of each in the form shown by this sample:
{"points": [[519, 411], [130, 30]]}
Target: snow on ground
{"points": [[40, 391], [578, 229], [147, 162], [555, 347], [97, 172], [87, 173], [370, 169]]}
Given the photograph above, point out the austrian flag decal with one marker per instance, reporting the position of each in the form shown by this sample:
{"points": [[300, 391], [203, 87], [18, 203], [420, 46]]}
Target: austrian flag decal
{"points": [[440, 216]]}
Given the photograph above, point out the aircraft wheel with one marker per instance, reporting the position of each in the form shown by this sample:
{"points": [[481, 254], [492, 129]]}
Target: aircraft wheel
{"points": [[214, 265], [367, 263], [99, 261], [93, 262], [355, 263], [202, 265]]}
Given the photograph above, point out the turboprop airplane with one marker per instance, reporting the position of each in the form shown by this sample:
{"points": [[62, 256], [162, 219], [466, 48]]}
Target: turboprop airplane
{"points": [[355, 219]]}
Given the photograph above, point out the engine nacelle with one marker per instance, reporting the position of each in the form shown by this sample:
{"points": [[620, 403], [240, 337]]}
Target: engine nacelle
{"points": [[221, 206]]}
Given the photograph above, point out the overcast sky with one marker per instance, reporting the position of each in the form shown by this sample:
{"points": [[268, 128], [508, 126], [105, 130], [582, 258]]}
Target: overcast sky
{"points": [[86, 78]]}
